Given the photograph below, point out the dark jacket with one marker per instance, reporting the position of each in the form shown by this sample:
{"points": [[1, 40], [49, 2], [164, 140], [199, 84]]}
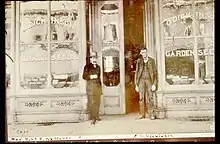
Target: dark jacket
{"points": [[152, 70], [93, 86]]}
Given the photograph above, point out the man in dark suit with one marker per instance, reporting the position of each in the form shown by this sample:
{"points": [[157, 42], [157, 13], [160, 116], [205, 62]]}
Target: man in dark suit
{"points": [[93, 87], [146, 83]]}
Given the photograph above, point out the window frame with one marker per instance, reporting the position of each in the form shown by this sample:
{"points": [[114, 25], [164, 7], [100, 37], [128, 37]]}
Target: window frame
{"points": [[185, 87], [82, 54]]}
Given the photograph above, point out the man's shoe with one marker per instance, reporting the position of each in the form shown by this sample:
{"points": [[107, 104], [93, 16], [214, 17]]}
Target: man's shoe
{"points": [[152, 117], [93, 122], [142, 117], [98, 119]]}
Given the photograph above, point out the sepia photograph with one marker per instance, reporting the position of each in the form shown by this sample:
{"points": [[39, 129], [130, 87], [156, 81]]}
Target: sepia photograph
{"points": [[114, 70]]}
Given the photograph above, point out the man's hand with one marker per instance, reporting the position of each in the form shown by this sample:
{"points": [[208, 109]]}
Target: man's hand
{"points": [[153, 88], [93, 76], [137, 88]]}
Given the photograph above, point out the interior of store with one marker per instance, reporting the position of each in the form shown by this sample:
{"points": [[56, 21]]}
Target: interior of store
{"points": [[133, 39]]}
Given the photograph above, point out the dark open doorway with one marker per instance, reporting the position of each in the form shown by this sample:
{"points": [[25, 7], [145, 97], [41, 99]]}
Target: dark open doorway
{"points": [[134, 39]]}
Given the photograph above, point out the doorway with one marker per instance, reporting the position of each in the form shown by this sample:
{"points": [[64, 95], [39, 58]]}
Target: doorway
{"points": [[134, 39]]}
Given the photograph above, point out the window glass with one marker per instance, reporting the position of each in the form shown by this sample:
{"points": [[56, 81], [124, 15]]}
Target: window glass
{"points": [[206, 56], [33, 22], [205, 18], [179, 61], [110, 44], [64, 55], [111, 71], [33, 66], [65, 65], [177, 18], [109, 23], [8, 56], [33, 45], [205, 41], [182, 40], [64, 17]]}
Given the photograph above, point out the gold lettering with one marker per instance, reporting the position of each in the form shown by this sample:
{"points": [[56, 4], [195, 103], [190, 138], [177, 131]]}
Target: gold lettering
{"points": [[205, 52], [63, 56], [38, 22], [30, 24], [167, 53], [183, 53], [178, 53], [175, 19], [168, 22], [200, 52], [59, 57], [191, 53], [172, 54], [187, 53]]}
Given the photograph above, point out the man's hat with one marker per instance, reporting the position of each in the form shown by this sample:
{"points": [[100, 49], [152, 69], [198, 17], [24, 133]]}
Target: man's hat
{"points": [[93, 54]]}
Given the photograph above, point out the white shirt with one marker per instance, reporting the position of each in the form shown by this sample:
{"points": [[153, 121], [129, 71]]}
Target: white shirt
{"points": [[145, 60]]}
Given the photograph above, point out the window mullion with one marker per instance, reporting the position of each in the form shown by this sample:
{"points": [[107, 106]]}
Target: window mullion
{"points": [[49, 77], [196, 66]]}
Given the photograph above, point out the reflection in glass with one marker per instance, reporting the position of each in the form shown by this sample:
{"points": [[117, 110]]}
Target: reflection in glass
{"points": [[111, 70], [179, 60], [65, 65], [33, 66]]}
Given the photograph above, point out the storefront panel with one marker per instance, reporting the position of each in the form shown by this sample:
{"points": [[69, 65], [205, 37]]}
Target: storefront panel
{"points": [[188, 42], [49, 62], [56, 103]]}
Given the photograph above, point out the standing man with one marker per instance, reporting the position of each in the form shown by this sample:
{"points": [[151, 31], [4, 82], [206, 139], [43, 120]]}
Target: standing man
{"points": [[146, 83], [93, 87]]}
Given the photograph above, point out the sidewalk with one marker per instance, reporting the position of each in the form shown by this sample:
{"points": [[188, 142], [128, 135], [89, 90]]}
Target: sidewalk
{"points": [[111, 125]]}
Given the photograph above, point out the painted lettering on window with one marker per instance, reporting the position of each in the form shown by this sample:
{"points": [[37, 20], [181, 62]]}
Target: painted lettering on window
{"points": [[181, 100], [187, 53], [34, 104]]}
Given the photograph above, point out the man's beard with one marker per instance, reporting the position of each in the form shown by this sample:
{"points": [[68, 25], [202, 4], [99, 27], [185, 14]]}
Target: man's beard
{"points": [[145, 57]]}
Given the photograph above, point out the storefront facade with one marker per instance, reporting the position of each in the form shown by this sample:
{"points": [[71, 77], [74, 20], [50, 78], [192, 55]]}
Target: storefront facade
{"points": [[46, 82]]}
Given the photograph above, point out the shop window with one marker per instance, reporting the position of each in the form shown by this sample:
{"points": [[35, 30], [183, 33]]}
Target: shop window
{"points": [[8, 49], [179, 61], [188, 29], [65, 65], [49, 63]]}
